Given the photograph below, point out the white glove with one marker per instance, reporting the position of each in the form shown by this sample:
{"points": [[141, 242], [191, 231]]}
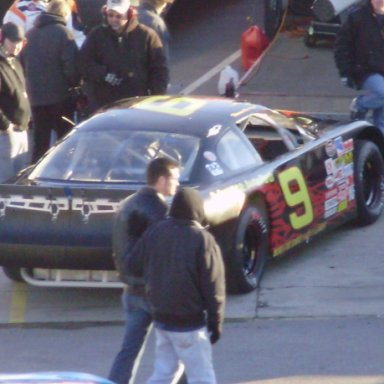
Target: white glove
{"points": [[113, 79]]}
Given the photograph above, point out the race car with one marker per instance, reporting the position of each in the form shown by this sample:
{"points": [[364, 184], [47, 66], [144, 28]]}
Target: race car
{"points": [[271, 180]]}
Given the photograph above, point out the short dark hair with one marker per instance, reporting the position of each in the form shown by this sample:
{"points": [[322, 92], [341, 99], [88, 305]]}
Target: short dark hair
{"points": [[161, 166]]}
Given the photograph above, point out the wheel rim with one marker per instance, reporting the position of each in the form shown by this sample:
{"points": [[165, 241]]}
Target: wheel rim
{"points": [[251, 253], [371, 185]]}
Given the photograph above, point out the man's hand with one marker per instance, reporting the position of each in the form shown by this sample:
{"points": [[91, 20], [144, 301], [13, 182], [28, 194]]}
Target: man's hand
{"points": [[214, 332], [113, 79]]}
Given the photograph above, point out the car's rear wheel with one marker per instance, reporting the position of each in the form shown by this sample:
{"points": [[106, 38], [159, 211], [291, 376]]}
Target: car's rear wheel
{"points": [[369, 181], [250, 250], [13, 274]]}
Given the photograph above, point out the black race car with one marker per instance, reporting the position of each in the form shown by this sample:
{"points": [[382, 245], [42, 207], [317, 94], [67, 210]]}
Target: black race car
{"points": [[270, 180]]}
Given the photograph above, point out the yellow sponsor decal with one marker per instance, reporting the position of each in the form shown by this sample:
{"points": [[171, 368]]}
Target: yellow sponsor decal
{"points": [[298, 240], [180, 106]]}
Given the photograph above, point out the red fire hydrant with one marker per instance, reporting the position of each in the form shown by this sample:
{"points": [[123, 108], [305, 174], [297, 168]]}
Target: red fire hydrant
{"points": [[253, 44]]}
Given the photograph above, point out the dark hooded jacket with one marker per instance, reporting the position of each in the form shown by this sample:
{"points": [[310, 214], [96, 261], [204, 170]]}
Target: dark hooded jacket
{"points": [[183, 266], [50, 61], [359, 45]]}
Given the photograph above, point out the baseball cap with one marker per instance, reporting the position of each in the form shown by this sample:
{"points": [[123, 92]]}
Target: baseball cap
{"points": [[12, 32], [119, 6]]}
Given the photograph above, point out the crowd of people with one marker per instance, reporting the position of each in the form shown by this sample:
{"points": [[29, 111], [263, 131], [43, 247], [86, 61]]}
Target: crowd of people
{"points": [[175, 282], [126, 55]]}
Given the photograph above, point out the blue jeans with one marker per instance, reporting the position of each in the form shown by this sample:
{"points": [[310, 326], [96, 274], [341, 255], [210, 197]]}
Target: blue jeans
{"points": [[137, 325], [373, 98]]}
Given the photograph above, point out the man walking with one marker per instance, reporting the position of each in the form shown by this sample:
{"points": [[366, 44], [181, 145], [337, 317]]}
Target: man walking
{"points": [[135, 214], [122, 58], [359, 56], [14, 105], [184, 275]]}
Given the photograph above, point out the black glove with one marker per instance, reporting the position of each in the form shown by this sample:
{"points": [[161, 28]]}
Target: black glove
{"points": [[348, 82], [214, 332], [113, 79]]}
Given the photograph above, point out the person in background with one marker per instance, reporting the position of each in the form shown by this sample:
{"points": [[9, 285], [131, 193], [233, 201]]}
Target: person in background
{"points": [[359, 56], [122, 58], [136, 213], [25, 12], [14, 105], [149, 13], [50, 60], [184, 275]]}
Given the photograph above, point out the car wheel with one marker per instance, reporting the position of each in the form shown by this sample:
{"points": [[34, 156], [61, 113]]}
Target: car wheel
{"points": [[369, 181], [13, 274], [250, 250]]}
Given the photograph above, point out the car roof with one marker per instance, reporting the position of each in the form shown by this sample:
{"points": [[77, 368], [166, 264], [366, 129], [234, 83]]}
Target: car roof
{"points": [[180, 114]]}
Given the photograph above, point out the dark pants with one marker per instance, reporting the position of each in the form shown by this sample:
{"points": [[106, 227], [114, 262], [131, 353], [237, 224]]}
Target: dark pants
{"points": [[49, 118]]}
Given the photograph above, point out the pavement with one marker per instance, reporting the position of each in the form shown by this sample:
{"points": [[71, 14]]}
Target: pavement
{"points": [[293, 76]]}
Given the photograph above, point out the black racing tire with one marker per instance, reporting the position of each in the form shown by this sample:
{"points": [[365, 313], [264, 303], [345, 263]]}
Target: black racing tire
{"points": [[273, 15], [250, 250], [369, 181], [13, 274]]}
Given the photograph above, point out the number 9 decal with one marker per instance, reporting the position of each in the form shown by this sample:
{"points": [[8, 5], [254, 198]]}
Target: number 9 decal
{"points": [[296, 194]]}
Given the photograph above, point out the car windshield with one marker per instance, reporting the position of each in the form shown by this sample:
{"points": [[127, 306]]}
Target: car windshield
{"points": [[115, 156]]}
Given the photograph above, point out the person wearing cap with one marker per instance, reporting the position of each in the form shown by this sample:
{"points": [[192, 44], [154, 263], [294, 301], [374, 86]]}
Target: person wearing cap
{"points": [[184, 275], [14, 105], [50, 60], [122, 58], [149, 13]]}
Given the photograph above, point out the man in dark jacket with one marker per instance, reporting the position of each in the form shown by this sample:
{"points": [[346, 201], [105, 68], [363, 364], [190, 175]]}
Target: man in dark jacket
{"points": [[122, 58], [133, 217], [184, 275], [50, 62], [359, 56], [149, 13], [14, 104]]}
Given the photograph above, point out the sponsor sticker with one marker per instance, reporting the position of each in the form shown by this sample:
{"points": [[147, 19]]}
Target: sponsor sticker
{"points": [[214, 169], [330, 148]]}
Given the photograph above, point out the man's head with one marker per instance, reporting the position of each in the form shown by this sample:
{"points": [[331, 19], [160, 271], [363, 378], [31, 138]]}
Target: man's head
{"points": [[12, 38], [117, 13], [378, 6], [60, 8], [163, 175]]}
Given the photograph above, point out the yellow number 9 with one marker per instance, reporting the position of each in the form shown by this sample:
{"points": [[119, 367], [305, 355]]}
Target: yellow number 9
{"points": [[296, 194]]}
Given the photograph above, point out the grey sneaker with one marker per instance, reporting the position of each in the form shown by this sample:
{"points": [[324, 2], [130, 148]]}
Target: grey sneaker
{"points": [[355, 112]]}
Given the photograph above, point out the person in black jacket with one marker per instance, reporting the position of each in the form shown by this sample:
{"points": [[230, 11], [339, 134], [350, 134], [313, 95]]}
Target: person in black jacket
{"points": [[122, 58], [133, 217], [184, 275], [359, 56], [50, 62], [14, 105]]}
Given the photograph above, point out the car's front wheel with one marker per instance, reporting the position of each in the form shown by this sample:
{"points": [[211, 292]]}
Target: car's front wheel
{"points": [[250, 250], [369, 181]]}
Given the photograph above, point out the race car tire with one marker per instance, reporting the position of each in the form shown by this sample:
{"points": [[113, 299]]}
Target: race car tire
{"points": [[250, 250], [369, 181], [13, 274]]}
